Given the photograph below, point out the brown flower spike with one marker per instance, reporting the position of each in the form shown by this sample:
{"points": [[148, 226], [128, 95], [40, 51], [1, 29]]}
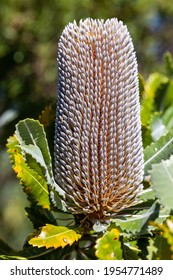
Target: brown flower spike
{"points": [[98, 145]]}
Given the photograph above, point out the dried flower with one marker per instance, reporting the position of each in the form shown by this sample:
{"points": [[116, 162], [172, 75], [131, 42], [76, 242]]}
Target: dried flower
{"points": [[98, 145]]}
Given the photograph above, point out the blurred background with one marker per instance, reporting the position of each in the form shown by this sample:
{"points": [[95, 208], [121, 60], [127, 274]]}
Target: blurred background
{"points": [[29, 33]]}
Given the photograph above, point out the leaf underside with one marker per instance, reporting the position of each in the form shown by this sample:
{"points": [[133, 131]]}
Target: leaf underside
{"points": [[139, 223], [162, 149], [162, 181]]}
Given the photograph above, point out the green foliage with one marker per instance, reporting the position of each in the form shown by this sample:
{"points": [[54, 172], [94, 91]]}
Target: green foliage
{"points": [[161, 246], [29, 34], [108, 247], [157, 151], [162, 181], [5, 257], [168, 64], [34, 184], [143, 231], [31, 160], [121, 237], [32, 139], [167, 232], [139, 222], [151, 88], [54, 236], [147, 195], [158, 249], [28, 49]]}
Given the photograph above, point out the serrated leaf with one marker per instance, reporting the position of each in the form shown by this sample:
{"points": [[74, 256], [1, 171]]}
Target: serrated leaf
{"points": [[108, 247], [162, 149], [35, 153], [152, 249], [13, 147], [33, 142], [162, 181], [31, 133], [164, 241], [55, 236], [34, 185], [138, 223], [158, 249], [30, 142]]}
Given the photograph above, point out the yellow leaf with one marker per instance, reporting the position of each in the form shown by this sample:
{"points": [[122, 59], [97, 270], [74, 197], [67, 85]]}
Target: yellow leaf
{"points": [[108, 247], [55, 236], [34, 185]]}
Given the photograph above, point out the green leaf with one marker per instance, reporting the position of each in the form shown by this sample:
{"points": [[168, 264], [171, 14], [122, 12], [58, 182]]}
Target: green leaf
{"points": [[55, 236], [147, 194], [34, 185], [162, 181], [131, 251], [108, 247], [168, 60], [29, 148], [168, 234], [163, 243], [157, 127], [39, 164], [153, 83], [39, 216], [152, 249], [167, 118], [32, 139], [138, 223], [146, 136], [33, 142], [141, 84], [6, 257], [162, 149], [168, 100], [158, 249], [13, 148]]}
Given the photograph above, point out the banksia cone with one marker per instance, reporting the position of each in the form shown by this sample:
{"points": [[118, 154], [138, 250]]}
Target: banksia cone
{"points": [[98, 145]]}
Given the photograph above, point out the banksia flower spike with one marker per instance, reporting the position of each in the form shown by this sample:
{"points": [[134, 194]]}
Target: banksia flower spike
{"points": [[98, 145]]}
